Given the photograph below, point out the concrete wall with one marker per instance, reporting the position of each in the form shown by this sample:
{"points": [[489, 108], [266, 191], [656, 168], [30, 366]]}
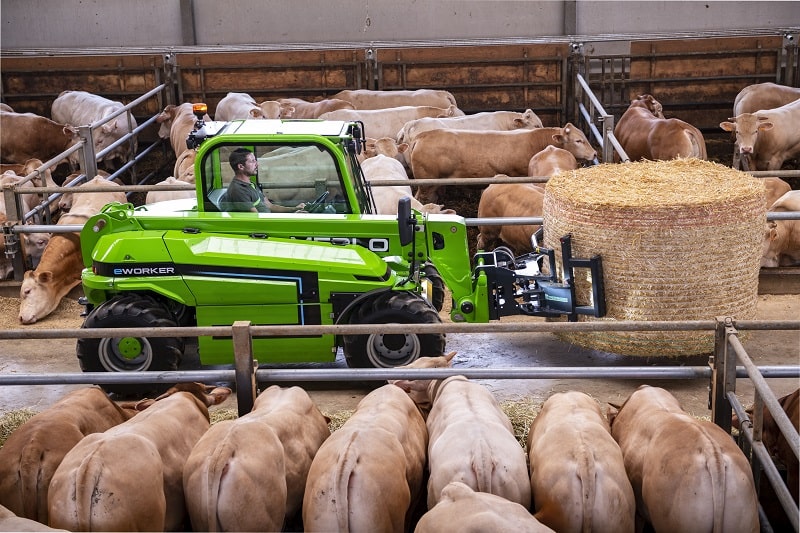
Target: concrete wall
{"points": [[160, 23]]}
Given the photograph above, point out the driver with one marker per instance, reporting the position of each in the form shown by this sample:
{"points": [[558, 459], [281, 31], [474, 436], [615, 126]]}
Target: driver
{"points": [[242, 193]]}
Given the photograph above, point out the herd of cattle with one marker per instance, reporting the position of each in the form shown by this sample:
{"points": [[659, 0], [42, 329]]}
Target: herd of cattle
{"points": [[90, 464], [412, 134]]}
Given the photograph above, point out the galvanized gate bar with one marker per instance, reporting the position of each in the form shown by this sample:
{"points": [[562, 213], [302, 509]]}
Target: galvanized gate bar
{"points": [[764, 460], [781, 419], [265, 375]]}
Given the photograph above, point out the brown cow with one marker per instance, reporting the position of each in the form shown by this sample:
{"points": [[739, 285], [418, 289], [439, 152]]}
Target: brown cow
{"points": [[368, 475], [687, 474], [462, 509], [644, 134], [59, 269], [11, 522], [768, 137], [578, 477], [481, 154], [299, 108], [519, 200], [501, 200], [781, 244], [25, 136], [371, 99], [34, 450], [382, 164], [130, 478], [250, 473]]}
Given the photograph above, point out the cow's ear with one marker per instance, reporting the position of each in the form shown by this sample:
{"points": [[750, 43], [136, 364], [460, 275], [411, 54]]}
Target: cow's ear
{"points": [[728, 126], [402, 147], [256, 113], [557, 137], [109, 127], [611, 414], [518, 122], [45, 276], [287, 111], [764, 126], [773, 232]]}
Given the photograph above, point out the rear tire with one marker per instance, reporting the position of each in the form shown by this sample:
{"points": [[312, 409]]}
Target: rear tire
{"points": [[378, 350], [130, 354]]}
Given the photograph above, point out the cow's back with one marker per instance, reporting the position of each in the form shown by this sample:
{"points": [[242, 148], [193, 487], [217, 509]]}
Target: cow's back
{"points": [[671, 458], [767, 95], [380, 450], [30, 456], [578, 477], [469, 437]]}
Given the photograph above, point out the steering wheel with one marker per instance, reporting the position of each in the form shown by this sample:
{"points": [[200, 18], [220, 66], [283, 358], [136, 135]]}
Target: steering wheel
{"points": [[316, 205]]}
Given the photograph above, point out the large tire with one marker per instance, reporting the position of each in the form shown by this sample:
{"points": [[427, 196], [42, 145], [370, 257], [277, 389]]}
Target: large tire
{"points": [[380, 350], [130, 354], [437, 285]]}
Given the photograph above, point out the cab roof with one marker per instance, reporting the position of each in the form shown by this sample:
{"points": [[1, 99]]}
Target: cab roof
{"points": [[327, 128]]}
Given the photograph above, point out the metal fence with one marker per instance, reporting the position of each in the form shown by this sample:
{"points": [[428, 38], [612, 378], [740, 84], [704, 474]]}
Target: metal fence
{"points": [[728, 362]]}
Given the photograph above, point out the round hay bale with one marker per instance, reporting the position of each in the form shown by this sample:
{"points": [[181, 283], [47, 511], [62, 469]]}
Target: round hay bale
{"points": [[680, 240]]}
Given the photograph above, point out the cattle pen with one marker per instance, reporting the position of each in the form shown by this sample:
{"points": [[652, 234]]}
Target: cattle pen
{"points": [[729, 362], [587, 81]]}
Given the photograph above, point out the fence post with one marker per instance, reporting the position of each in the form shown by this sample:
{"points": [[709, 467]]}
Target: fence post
{"points": [[245, 366], [608, 129], [89, 157], [723, 376]]}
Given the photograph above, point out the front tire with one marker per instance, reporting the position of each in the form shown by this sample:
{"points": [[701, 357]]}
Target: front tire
{"points": [[379, 350], [130, 354]]}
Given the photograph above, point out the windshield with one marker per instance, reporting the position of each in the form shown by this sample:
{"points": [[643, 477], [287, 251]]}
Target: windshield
{"points": [[286, 175]]}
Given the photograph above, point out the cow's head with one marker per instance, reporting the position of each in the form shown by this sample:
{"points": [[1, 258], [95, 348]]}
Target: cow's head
{"points": [[422, 391], [770, 245], [574, 141], [746, 128]]}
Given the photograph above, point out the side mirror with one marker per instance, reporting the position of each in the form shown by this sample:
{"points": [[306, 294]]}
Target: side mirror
{"points": [[405, 222]]}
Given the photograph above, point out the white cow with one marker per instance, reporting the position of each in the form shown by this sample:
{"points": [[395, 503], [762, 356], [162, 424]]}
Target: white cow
{"points": [[463, 509], [388, 121], [470, 438], [81, 108], [487, 120], [59, 269], [242, 106], [372, 99]]}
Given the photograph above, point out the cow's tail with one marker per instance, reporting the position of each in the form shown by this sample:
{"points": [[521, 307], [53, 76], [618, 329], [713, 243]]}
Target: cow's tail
{"points": [[34, 478], [698, 144], [715, 465], [587, 474], [87, 491], [215, 469], [342, 476], [483, 465]]}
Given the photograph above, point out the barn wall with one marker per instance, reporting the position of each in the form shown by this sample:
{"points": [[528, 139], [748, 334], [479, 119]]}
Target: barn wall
{"points": [[145, 23]]}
